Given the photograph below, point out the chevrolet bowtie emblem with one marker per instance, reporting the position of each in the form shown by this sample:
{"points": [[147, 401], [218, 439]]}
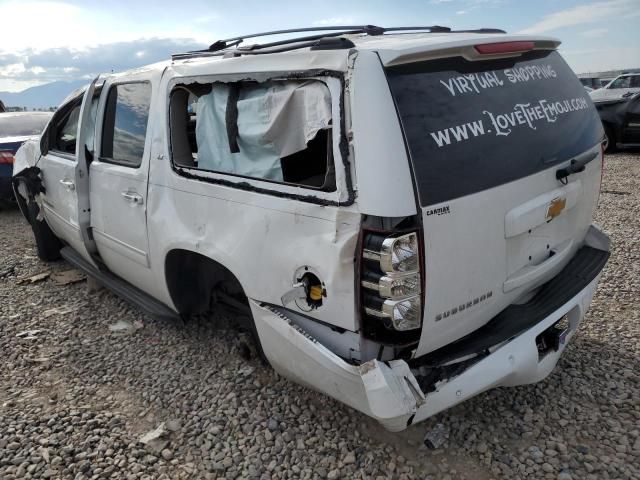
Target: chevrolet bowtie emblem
{"points": [[556, 207]]}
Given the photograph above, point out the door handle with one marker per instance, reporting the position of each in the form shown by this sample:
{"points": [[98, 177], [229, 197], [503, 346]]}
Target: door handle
{"points": [[68, 184], [132, 197]]}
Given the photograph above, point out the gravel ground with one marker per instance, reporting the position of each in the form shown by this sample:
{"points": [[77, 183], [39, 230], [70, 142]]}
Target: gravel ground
{"points": [[76, 397]]}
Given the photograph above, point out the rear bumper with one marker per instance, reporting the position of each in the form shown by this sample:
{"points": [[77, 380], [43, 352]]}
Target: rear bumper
{"points": [[389, 391]]}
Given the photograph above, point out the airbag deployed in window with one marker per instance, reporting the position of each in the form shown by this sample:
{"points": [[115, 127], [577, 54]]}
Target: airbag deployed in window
{"points": [[274, 120]]}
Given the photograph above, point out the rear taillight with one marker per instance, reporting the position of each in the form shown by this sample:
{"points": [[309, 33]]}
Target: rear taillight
{"points": [[391, 279], [6, 158], [502, 48]]}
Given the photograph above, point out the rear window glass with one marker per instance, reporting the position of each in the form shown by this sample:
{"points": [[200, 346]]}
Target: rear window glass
{"points": [[22, 125], [474, 125]]}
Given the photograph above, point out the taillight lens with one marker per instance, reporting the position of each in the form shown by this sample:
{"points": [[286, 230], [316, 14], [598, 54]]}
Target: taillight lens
{"points": [[391, 277], [6, 158], [394, 254]]}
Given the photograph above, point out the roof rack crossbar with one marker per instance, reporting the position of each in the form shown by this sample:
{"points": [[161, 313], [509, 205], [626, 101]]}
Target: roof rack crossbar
{"points": [[335, 31], [362, 28], [338, 30], [308, 38]]}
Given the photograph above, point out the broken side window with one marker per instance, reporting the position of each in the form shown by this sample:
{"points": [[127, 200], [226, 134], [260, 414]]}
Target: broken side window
{"points": [[65, 128], [277, 131]]}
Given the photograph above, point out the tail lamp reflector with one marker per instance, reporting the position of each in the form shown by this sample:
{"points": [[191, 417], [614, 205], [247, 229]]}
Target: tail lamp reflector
{"points": [[391, 277], [6, 158]]}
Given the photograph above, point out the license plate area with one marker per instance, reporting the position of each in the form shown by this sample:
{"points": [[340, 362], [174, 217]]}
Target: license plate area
{"points": [[551, 339]]}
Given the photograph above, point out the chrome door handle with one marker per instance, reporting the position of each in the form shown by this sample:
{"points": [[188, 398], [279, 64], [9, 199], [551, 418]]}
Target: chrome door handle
{"points": [[68, 184], [132, 197]]}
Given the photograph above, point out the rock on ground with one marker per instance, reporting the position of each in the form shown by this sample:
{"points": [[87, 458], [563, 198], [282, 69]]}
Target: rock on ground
{"points": [[75, 398]]}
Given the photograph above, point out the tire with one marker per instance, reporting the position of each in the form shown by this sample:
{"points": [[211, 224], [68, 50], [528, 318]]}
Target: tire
{"points": [[610, 139], [47, 244], [22, 205]]}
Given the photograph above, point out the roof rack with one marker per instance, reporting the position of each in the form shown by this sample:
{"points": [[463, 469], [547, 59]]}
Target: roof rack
{"points": [[221, 47]]}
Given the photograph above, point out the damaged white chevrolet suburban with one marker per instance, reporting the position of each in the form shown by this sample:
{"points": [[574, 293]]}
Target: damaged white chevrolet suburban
{"points": [[403, 217]]}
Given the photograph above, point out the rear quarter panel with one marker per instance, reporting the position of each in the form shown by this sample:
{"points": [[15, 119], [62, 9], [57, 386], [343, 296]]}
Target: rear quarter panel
{"points": [[261, 238]]}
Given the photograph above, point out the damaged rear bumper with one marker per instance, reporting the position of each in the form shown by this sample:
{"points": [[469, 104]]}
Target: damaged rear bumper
{"points": [[385, 391], [388, 391]]}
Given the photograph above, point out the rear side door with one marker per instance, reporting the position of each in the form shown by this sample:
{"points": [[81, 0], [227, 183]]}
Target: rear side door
{"points": [[486, 137], [118, 176]]}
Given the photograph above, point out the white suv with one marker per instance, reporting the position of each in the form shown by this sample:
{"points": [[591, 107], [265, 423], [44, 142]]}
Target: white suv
{"points": [[620, 87], [404, 219]]}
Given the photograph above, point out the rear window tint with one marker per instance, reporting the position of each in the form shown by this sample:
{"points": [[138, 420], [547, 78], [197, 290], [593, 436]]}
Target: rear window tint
{"points": [[22, 125], [474, 125]]}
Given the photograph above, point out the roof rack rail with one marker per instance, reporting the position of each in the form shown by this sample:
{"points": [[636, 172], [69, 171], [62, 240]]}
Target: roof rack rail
{"points": [[219, 46]]}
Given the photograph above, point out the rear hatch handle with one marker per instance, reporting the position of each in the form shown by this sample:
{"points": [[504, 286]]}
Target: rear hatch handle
{"points": [[576, 165]]}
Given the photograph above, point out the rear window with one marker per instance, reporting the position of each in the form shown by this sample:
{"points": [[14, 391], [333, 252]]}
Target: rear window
{"points": [[474, 125], [22, 125]]}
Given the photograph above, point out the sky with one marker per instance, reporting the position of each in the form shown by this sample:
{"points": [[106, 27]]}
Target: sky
{"points": [[45, 41]]}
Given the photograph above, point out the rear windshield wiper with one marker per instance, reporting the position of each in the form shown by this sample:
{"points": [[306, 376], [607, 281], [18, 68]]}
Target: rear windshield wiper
{"points": [[576, 165]]}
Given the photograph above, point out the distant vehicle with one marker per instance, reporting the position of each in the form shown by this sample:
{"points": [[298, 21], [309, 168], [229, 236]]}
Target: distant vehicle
{"points": [[621, 121], [592, 82], [15, 128], [588, 89], [619, 87]]}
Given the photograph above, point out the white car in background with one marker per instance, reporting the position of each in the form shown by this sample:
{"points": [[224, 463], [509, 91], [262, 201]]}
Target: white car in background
{"points": [[624, 85]]}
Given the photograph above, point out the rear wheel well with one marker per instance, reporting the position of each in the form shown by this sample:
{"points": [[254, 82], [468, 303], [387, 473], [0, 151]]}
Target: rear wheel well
{"points": [[196, 281], [199, 285]]}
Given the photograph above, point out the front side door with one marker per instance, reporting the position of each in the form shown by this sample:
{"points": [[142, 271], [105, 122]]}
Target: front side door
{"points": [[631, 125], [118, 177], [58, 165]]}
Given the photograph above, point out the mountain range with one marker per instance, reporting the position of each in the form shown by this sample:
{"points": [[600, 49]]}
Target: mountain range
{"points": [[42, 96]]}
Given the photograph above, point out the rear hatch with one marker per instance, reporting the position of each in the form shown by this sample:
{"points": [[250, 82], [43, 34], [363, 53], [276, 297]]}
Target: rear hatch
{"points": [[486, 134]]}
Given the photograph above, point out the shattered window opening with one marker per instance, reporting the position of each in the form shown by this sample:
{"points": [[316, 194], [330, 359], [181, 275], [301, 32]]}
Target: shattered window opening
{"points": [[65, 128], [276, 131]]}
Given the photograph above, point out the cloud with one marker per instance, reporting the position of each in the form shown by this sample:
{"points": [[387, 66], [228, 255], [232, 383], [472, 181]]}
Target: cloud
{"points": [[333, 21], [602, 58], [207, 18], [584, 14], [65, 63], [595, 32]]}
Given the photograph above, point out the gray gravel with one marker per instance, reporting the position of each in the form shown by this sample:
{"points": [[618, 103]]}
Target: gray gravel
{"points": [[76, 397]]}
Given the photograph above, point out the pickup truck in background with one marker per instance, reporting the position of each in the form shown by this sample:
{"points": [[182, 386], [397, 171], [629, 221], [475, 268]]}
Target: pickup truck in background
{"points": [[403, 220], [621, 121]]}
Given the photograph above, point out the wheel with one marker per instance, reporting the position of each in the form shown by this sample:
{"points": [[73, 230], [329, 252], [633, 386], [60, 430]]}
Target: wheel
{"points": [[47, 244], [609, 139]]}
